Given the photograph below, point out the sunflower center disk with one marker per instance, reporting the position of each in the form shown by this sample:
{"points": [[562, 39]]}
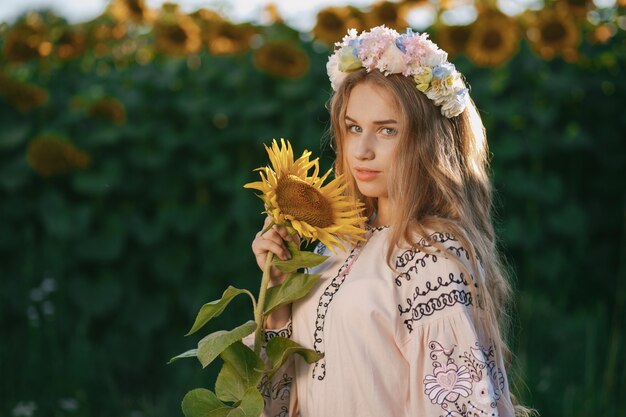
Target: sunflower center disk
{"points": [[304, 202]]}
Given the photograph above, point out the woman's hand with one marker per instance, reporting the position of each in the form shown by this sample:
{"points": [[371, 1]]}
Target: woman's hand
{"points": [[273, 241]]}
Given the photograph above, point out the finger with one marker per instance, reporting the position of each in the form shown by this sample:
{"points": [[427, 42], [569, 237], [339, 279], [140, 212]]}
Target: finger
{"points": [[277, 249], [284, 234], [271, 236], [274, 236]]}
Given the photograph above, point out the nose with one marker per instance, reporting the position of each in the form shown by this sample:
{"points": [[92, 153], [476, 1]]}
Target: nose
{"points": [[364, 149]]}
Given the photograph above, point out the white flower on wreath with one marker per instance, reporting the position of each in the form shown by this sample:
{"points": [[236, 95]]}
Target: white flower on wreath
{"points": [[448, 383], [391, 61], [455, 103], [336, 76]]}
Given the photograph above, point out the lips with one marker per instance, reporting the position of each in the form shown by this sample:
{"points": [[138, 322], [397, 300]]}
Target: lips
{"points": [[365, 174]]}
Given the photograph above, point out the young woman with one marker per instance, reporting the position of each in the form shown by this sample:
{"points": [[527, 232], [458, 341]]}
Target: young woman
{"points": [[410, 320]]}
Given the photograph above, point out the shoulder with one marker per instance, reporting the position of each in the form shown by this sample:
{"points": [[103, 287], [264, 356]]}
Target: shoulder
{"points": [[435, 252], [432, 278]]}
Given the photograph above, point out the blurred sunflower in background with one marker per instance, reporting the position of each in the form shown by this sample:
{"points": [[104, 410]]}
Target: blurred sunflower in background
{"points": [[299, 201], [71, 44], [226, 38], [28, 39], [52, 155], [133, 10], [282, 59], [453, 39], [108, 108], [23, 96], [552, 32], [576, 8], [387, 13], [332, 23], [493, 40], [176, 33]]}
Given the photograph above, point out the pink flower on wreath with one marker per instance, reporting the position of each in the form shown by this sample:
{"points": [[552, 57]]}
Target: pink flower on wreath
{"points": [[421, 51], [374, 43], [447, 383]]}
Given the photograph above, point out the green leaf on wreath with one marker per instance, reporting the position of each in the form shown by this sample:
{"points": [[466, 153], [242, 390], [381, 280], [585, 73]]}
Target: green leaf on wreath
{"points": [[242, 369], [279, 349], [191, 353], [214, 308], [204, 403], [215, 343], [299, 259], [295, 287]]}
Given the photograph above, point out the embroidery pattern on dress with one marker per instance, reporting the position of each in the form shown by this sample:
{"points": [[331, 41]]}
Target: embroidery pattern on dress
{"points": [[419, 258], [277, 391], [322, 308], [284, 332], [420, 310], [409, 264], [451, 384], [319, 369]]}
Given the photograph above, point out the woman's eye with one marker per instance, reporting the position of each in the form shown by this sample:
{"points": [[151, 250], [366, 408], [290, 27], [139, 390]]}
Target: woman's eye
{"points": [[389, 131], [354, 128]]}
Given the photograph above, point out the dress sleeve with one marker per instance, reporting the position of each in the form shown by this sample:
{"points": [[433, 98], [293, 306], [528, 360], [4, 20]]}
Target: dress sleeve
{"points": [[454, 369], [277, 391], [452, 373]]}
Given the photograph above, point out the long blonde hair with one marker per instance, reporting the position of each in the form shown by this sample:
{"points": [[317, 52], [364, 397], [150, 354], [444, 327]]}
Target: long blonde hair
{"points": [[441, 183]]}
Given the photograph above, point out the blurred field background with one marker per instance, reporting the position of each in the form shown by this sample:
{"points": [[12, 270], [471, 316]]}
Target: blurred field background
{"points": [[125, 142]]}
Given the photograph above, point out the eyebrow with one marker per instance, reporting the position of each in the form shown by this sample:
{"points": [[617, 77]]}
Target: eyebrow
{"points": [[376, 122]]}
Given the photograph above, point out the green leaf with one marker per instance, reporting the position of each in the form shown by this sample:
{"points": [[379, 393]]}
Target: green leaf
{"points": [[191, 353], [251, 404], [242, 369], [215, 343], [295, 287], [299, 259], [204, 403], [279, 349], [214, 308]]}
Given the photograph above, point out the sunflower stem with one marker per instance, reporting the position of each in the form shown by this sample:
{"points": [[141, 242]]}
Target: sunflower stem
{"points": [[269, 226], [258, 312]]}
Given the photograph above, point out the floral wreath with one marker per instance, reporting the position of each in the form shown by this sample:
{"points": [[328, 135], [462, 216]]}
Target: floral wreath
{"points": [[411, 54]]}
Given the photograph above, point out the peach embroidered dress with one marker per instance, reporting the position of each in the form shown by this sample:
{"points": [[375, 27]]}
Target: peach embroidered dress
{"points": [[396, 343]]}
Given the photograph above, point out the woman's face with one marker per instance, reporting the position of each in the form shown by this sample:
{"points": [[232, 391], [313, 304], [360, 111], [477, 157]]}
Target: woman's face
{"points": [[373, 129]]}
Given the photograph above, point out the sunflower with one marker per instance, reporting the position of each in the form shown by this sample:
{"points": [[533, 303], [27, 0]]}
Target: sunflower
{"points": [[71, 44], [333, 22], [282, 59], [494, 39], [135, 10], [299, 201], [176, 33], [108, 108], [23, 96], [28, 39], [576, 8], [387, 13], [226, 38], [551, 32], [453, 39], [51, 155]]}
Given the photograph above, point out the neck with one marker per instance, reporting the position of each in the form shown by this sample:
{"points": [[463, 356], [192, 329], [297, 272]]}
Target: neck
{"points": [[383, 217]]}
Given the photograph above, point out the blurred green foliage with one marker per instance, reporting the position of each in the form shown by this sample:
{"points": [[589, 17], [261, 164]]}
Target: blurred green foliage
{"points": [[103, 269]]}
